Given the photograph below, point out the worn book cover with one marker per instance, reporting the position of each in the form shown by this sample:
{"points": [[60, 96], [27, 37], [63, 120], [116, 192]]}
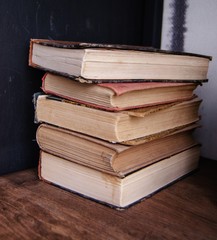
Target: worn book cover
{"points": [[112, 190], [117, 96], [116, 126], [94, 62], [115, 159]]}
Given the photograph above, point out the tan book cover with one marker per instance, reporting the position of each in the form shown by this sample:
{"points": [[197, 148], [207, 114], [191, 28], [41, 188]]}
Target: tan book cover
{"points": [[116, 126], [117, 96], [115, 159], [112, 190]]}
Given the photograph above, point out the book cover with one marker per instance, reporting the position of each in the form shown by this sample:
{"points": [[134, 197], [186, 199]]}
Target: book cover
{"points": [[115, 159], [111, 190], [117, 96], [116, 126], [89, 62]]}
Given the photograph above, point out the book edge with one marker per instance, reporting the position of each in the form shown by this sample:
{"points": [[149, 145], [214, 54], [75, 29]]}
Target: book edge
{"points": [[99, 81], [114, 206]]}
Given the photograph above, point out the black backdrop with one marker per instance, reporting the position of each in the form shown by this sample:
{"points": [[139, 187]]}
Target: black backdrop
{"points": [[135, 22]]}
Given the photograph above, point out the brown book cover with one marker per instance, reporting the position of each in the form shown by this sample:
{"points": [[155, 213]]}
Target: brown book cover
{"points": [[94, 62]]}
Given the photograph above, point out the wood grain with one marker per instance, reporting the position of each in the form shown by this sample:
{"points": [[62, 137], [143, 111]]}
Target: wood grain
{"points": [[32, 209]]}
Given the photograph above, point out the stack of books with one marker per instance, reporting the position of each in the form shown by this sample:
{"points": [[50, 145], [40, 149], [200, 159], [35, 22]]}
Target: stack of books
{"points": [[116, 121]]}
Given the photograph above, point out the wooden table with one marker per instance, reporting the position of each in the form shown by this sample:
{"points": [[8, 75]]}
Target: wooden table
{"points": [[32, 209]]}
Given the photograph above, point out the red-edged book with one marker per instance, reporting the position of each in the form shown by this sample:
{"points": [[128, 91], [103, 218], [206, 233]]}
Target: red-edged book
{"points": [[117, 96]]}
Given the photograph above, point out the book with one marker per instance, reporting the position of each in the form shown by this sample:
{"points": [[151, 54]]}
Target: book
{"points": [[112, 190], [115, 159], [115, 126], [117, 96], [93, 62]]}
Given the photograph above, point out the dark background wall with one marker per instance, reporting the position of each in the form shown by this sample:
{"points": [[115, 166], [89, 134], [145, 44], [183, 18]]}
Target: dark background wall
{"points": [[135, 22]]}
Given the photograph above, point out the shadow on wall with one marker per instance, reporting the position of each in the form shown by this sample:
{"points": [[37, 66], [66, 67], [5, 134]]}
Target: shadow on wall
{"points": [[64, 20]]}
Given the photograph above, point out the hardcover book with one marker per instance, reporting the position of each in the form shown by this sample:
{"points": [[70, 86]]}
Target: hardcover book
{"points": [[116, 63], [117, 96], [116, 126], [112, 190], [115, 159]]}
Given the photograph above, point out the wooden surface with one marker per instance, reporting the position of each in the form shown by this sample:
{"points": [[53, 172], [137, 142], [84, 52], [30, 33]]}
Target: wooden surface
{"points": [[31, 209]]}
